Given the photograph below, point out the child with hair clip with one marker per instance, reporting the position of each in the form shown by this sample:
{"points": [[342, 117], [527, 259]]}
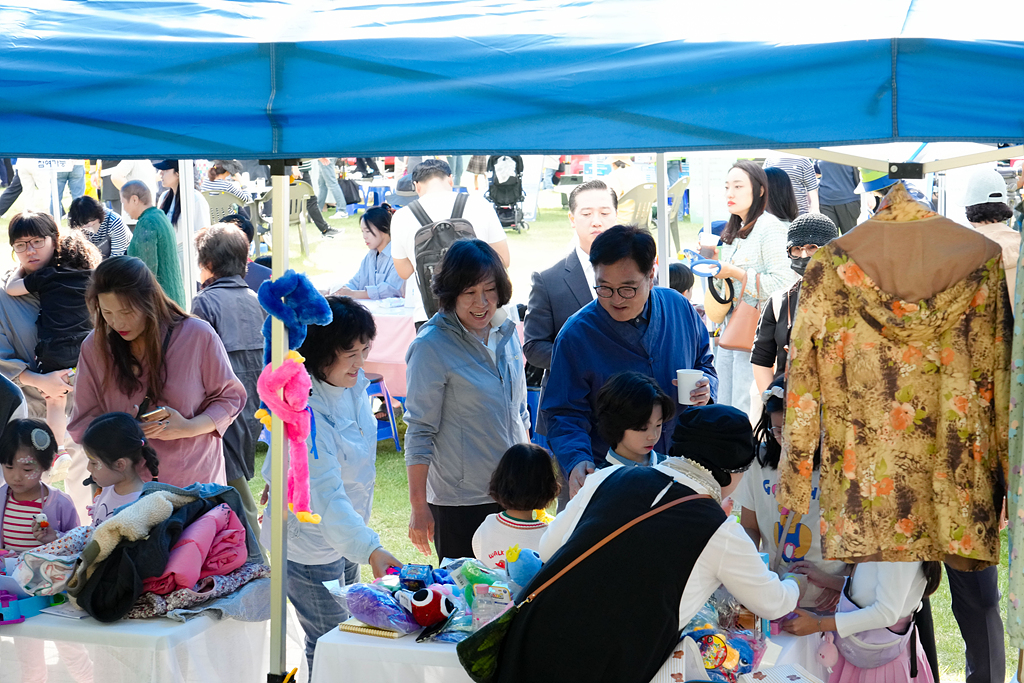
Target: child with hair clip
{"points": [[874, 626], [523, 483], [631, 411], [768, 524], [64, 320], [118, 452], [27, 448], [377, 277]]}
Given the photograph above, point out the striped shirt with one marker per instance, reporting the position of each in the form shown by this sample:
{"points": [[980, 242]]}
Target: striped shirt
{"points": [[17, 524], [801, 172], [229, 186], [114, 229]]}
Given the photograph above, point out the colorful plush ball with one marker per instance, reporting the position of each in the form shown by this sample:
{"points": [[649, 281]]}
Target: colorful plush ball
{"points": [[429, 606]]}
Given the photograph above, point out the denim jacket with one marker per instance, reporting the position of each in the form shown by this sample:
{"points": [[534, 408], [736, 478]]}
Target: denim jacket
{"points": [[463, 410]]}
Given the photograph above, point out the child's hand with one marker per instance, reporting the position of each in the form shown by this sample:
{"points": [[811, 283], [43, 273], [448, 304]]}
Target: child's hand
{"points": [[43, 534]]}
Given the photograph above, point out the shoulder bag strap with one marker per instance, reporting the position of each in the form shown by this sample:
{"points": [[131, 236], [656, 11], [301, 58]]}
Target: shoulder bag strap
{"points": [[460, 204], [607, 539], [421, 215]]}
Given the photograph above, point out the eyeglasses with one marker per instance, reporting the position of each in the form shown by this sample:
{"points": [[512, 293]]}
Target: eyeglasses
{"points": [[36, 244], [806, 250], [624, 292], [777, 433]]}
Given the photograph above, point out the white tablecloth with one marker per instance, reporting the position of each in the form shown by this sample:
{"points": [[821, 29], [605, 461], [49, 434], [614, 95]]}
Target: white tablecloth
{"points": [[343, 657], [158, 650]]}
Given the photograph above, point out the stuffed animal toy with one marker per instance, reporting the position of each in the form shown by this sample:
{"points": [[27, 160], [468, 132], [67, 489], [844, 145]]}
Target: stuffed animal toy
{"points": [[430, 606], [376, 606], [828, 653], [522, 565], [293, 381], [293, 300]]}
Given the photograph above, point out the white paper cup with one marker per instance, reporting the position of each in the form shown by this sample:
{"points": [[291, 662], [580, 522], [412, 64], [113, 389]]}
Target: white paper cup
{"points": [[687, 381]]}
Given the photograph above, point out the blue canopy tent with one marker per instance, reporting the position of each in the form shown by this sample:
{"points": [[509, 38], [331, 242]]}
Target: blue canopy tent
{"points": [[286, 79], [293, 78]]}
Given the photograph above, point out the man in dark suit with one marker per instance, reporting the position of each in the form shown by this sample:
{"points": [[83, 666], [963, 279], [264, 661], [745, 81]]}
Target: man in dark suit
{"points": [[567, 286]]}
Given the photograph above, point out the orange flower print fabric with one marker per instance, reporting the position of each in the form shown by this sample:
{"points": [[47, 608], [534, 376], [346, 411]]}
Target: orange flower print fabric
{"points": [[910, 401]]}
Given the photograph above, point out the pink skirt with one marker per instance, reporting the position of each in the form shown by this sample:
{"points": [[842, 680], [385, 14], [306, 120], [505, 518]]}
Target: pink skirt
{"points": [[896, 671]]}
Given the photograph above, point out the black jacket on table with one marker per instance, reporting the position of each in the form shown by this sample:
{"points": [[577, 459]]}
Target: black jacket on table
{"points": [[557, 294]]}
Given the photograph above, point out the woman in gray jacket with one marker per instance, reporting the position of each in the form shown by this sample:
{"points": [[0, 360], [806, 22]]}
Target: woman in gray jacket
{"points": [[467, 400]]}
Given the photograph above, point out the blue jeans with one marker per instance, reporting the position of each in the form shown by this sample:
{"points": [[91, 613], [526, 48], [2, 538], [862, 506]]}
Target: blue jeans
{"points": [[327, 181], [317, 609], [74, 180]]}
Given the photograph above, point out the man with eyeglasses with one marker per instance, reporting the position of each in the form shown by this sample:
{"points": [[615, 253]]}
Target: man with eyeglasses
{"points": [[806, 235], [631, 326]]}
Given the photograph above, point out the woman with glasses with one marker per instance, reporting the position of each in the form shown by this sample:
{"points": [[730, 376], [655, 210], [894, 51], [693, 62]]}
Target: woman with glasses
{"points": [[104, 228], [768, 358], [467, 400], [33, 238], [766, 522], [753, 258]]}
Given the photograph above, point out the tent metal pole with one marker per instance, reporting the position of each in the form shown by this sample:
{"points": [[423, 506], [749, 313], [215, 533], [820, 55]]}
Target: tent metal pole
{"points": [[279, 345], [187, 197], [842, 158], [973, 159], [55, 198], [663, 222]]}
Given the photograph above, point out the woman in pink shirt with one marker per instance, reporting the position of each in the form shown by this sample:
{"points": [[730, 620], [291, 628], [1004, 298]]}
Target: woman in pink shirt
{"points": [[148, 358]]}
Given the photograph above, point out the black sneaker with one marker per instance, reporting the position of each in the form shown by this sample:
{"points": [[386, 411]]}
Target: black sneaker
{"points": [[331, 232]]}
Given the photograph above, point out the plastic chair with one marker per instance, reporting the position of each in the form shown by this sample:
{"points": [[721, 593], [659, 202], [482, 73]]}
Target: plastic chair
{"points": [[675, 199], [385, 428], [223, 204], [298, 192], [643, 198]]}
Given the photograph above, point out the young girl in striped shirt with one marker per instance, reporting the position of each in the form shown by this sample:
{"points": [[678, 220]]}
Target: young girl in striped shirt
{"points": [[27, 449]]}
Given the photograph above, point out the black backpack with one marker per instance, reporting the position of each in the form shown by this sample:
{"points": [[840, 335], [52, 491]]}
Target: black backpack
{"points": [[432, 243]]}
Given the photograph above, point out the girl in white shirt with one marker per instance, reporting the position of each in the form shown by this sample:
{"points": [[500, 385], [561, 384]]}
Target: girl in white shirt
{"points": [[879, 595], [118, 453]]}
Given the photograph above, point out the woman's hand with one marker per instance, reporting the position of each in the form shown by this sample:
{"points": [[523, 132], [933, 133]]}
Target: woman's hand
{"points": [[421, 528], [730, 271], [265, 496], [816, 576], [828, 600], [51, 385], [803, 624], [176, 426], [380, 560]]}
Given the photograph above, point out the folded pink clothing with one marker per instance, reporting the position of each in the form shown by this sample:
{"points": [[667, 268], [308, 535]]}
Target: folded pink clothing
{"points": [[228, 551], [189, 554]]}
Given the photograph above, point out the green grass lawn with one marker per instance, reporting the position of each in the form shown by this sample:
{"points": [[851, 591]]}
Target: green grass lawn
{"points": [[546, 241]]}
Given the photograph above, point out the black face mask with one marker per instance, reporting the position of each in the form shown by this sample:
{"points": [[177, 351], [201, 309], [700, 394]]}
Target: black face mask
{"points": [[799, 264]]}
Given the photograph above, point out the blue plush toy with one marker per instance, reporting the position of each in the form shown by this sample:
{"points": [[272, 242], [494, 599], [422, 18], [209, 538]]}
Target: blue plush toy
{"points": [[522, 565], [293, 300]]}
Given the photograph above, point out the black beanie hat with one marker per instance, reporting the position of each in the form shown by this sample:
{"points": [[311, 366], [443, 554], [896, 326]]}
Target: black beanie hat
{"points": [[811, 228], [717, 437]]}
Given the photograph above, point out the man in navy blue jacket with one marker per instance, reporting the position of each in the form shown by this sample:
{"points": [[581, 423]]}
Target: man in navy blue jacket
{"points": [[631, 326]]}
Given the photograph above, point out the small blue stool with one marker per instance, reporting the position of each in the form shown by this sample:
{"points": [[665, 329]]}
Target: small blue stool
{"points": [[380, 194], [385, 428]]}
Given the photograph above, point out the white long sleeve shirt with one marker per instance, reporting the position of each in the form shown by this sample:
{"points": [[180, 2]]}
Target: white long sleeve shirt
{"points": [[730, 558], [889, 591]]}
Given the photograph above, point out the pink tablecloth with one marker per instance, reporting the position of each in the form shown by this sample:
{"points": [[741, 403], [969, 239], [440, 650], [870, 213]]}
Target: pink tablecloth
{"points": [[387, 356]]}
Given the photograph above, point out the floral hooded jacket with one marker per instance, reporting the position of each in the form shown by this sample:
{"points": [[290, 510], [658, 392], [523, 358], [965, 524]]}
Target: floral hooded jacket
{"points": [[911, 401]]}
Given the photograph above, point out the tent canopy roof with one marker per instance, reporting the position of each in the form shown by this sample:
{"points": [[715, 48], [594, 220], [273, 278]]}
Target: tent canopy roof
{"points": [[300, 78]]}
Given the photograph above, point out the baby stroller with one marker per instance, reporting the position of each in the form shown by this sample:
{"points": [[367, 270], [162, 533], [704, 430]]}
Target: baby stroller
{"points": [[505, 190]]}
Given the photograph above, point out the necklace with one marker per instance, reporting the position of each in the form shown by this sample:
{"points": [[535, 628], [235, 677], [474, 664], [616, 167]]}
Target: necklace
{"points": [[698, 473]]}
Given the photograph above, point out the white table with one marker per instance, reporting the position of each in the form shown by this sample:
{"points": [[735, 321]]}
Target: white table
{"points": [[157, 650], [343, 657]]}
